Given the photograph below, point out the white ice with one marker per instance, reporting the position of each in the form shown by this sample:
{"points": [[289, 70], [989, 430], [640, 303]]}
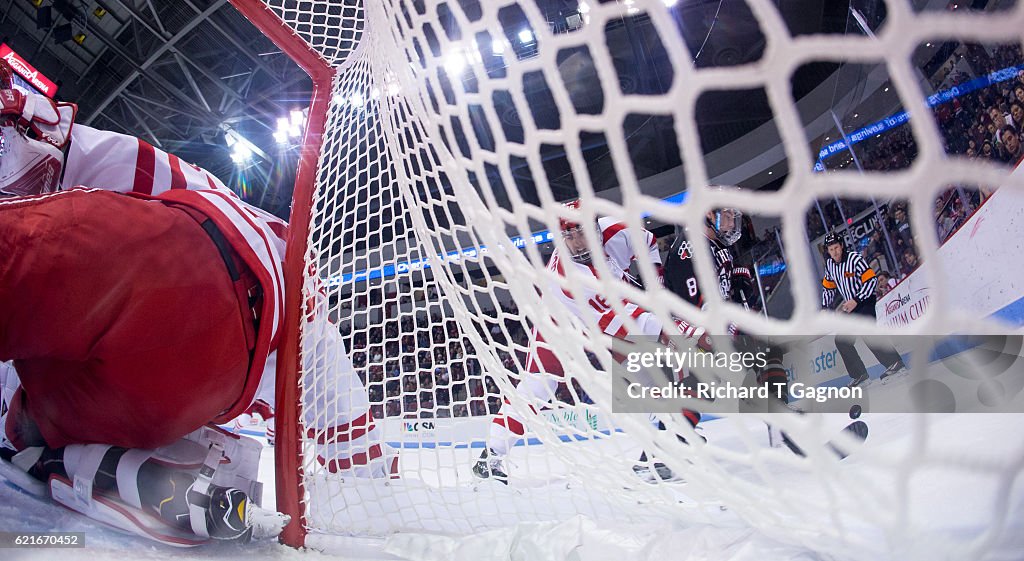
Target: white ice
{"points": [[954, 494]]}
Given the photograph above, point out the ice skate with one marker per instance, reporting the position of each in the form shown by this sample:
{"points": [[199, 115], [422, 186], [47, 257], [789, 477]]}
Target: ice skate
{"points": [[490, 466]]}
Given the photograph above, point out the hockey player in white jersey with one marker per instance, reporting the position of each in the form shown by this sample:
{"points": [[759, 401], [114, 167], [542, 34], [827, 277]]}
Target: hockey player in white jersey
{"points": [[543, 369], [165, 341]]}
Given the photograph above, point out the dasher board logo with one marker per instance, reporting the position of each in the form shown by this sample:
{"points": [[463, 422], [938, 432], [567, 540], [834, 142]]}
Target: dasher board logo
{"points": [[901, 300], [571, 418], [418, 426]]}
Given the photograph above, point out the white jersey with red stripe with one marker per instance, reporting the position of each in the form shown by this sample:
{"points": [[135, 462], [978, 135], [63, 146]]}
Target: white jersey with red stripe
{"points": [[117, 162], [599, 310], [543, 367], [619, 247]]}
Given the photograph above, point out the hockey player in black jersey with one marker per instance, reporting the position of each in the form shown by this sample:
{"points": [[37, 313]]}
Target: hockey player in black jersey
{"points": [[723, 228]]}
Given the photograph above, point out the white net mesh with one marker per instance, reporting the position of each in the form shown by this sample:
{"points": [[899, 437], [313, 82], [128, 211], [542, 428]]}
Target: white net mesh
{"points": [[454, 133]]}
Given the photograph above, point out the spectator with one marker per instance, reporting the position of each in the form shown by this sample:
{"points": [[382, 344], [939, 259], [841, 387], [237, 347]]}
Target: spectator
{"points": [[1017, 115], [909, 261], [901, 227], [885, 284], [986, 150], [1009, 148]]}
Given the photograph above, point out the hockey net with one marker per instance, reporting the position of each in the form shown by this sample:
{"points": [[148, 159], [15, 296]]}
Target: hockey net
{"points": [[443, 138]]}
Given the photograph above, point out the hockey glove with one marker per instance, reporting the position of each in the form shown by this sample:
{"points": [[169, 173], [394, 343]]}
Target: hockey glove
{"points": [[38, 117], [698, 335]]}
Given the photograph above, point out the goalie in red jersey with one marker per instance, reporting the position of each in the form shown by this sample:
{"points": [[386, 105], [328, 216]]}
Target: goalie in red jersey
{"points": [[174, 288]]}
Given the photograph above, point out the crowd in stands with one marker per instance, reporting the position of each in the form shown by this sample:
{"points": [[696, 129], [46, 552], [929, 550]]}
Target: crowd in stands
{"points": [[424, 367], [984, 123]]}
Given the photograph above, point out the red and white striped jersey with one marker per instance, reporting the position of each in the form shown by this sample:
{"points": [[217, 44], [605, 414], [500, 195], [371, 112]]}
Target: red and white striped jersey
{"points": [[600, 311], [111, 161], [619, 248], [116, 162]]}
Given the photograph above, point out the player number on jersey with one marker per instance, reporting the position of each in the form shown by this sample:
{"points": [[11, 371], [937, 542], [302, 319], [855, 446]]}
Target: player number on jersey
{"points": [[599, 304]]}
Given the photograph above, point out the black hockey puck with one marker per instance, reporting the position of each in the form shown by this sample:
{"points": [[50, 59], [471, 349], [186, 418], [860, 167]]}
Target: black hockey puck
{"points": [[855, 412]]}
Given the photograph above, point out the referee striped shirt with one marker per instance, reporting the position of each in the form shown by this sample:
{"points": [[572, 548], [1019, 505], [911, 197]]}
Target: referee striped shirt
{"points": [[852, 279]]}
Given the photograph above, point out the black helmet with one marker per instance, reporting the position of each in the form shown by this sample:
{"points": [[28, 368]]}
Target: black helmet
{"points": [[834, 238]]}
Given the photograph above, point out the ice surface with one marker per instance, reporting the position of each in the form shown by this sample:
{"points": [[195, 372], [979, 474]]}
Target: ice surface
{"points": [[955, 491]]}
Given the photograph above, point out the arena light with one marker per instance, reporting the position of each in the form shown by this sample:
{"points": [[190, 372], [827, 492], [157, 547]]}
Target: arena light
{"points": [[584, 9], [241, 154], [455, 62], [525, 36], [242, 149], [281, 134], [296, 123]]}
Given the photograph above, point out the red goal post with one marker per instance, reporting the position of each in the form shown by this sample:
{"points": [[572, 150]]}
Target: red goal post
{"points": [[287, 450]]}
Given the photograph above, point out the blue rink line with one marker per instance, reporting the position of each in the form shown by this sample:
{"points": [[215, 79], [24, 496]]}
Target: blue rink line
{"points": [[443, 444], [481, 443]]}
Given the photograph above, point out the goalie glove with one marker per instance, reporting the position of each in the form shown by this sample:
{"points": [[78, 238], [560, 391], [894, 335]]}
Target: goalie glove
{"points": [[33, 134], [27, 166], [39, 117], [34, 131]]}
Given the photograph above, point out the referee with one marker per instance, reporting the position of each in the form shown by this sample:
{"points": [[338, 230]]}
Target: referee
{"points": [[847, 274]]}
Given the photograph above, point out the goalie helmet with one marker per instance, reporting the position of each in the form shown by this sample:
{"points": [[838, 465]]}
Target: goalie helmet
{"points": [[572, 233]]}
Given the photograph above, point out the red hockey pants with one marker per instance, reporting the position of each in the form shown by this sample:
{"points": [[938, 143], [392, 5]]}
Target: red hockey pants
{"points": [[120, 317]]}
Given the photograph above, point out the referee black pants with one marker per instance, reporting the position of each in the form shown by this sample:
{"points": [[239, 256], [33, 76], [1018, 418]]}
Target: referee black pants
{"points": [[883, 351]]}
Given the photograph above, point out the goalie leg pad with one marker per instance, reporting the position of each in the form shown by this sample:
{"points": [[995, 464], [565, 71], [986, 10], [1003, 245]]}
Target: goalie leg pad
{"points": [[117, 515], [239, 466]]}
